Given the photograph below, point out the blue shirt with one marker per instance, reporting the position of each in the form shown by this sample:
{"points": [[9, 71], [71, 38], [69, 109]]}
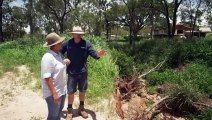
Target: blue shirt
{"points": [[78, 53]]}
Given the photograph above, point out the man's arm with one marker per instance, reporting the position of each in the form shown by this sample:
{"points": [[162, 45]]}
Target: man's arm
{"points": [[91, 51], [64, 47], [94, 53]]}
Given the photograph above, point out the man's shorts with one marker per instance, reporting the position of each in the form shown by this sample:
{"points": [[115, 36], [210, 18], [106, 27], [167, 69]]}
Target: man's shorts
{"points": [[77, 80]]}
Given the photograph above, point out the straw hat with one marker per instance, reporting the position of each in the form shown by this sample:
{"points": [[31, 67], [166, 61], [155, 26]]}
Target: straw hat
{"points": [[77, 30], [53, 39]]}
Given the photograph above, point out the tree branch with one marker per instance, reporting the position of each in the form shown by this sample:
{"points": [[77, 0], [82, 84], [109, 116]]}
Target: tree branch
{"points": [[156, 103], [53, 11], [153, 69], [202, 104]]}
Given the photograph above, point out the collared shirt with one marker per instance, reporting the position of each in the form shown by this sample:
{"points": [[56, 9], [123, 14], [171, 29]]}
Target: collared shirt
{"points": [[78, 53], [52, 65]]}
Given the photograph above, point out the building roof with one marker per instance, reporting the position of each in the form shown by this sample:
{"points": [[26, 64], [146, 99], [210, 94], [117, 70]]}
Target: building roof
{"points": [[182, 27], [205, 29]]}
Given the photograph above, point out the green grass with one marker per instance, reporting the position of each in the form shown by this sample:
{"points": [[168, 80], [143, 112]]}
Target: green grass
{"points": [[23, 51], [197, 75], [29, 51], [101, 72]]}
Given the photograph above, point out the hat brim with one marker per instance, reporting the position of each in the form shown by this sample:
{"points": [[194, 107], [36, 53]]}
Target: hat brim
{"points": [[59, 41], [80, 33]]}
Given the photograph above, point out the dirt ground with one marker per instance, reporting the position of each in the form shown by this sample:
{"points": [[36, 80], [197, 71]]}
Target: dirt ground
{"points": [[20, 102]]}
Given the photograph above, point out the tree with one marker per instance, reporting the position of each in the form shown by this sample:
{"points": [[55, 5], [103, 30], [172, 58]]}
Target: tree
{"points": [[102, 7], [167, 8], [137, 13], [5, 18], [31, 14], [18, 20], [15, 23], [192, 12], [59, 9]]}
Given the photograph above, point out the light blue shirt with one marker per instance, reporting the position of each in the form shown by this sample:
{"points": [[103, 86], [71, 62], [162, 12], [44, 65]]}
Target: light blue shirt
{"points": [[52, 65]]}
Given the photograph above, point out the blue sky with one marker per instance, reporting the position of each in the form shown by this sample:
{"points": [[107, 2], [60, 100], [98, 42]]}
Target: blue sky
{"points": [[17, 3]]}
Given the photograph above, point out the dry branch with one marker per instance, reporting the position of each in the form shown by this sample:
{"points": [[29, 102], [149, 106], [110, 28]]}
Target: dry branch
{"points": [[202, 104], [159, 65], [156, 103]]}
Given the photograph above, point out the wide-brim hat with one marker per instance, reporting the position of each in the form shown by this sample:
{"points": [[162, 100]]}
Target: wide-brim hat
{"points": [[77, 30], [53, 39]]}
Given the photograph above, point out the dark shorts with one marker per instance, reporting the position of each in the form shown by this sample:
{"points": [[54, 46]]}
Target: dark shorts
{"points": [[77, 80]]}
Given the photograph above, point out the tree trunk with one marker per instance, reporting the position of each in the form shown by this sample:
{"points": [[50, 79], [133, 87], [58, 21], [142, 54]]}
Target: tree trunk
{"points": [[174, 22], [97, 30], [135, 34], [1, 31], [166, 10], [130, 37], [169, 27], [61, 27], [107, 27], [31, 17], [152, 19], [176, 6], [132, 25], [195, 18]]}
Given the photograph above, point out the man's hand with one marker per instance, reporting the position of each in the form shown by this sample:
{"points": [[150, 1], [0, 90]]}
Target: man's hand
{"points": [[56, 98], [101, 53], [67, 61]]}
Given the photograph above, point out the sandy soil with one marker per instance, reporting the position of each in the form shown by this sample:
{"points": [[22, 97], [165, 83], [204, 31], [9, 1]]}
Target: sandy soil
{"points": [[19, 102]]}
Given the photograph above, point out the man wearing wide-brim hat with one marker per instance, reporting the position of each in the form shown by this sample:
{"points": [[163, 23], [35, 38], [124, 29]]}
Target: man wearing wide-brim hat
{"points": [[78, 50]]}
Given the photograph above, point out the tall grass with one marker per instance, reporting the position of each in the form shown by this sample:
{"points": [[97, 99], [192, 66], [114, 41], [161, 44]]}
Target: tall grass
{"points": [[29, 51], [102, 72], [23, 51]]}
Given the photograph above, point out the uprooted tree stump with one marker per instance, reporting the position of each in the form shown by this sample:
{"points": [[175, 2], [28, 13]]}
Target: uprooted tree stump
{"points": [[126, 95], [132, 100], [127, 87]]}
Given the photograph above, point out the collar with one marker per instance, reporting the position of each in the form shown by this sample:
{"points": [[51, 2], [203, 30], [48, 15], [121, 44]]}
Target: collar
{"points": [[53, 53], [77, 43]]}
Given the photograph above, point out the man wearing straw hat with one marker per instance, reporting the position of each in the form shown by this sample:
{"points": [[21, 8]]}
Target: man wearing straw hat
{"points": [[53, 74], [78, 50]]}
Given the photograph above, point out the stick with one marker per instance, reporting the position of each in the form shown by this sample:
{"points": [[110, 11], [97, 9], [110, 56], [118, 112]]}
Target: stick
{"points": [[153, 69], [128, 93], [156, 103], [202, 104]]}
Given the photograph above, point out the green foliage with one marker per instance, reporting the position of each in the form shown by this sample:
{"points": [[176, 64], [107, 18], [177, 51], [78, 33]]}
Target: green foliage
{"points": [[206, 114], [181, 100], [102, 72], [176, 52], [126, 63], [23, 51], [29, 51], [196, 75], [188, 68]]}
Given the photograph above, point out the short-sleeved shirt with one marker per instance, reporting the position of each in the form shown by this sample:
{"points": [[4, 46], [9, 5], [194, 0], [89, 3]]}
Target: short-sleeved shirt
{"points": [[52, 65], [78, 53]]}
